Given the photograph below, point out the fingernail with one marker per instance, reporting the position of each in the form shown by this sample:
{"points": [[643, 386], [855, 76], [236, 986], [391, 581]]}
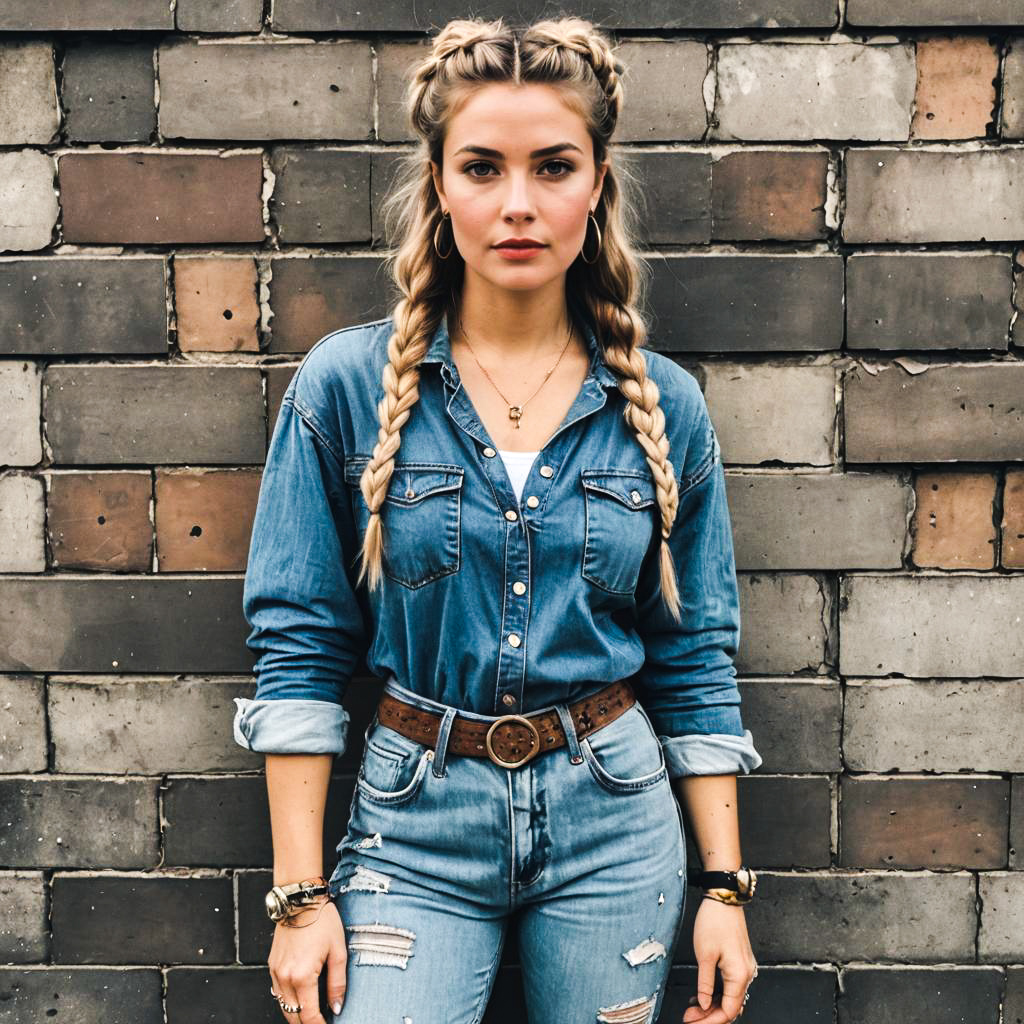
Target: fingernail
{"points": [[336, 1007]]}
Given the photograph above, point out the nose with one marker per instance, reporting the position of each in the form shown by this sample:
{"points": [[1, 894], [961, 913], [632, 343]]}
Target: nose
{"points": [[517, 202]]}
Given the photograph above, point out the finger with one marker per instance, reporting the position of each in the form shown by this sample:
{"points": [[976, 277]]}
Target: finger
{"points": [[705, 982], [287, 995], [337, 962], [309, 1000], [732, 998]]}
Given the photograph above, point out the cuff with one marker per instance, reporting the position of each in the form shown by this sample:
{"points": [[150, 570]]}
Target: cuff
{"points": [[291, 726], [710, 754]]}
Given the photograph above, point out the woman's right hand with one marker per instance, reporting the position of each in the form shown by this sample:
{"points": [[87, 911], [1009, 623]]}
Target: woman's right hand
{"points": [[297, 957]]}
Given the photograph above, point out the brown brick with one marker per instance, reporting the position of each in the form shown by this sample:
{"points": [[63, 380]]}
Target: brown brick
{"points": [[278, 379], [956, 92], [764, 194], [159, 198], [936, 823], [204, 519], [1013, 520], [953, 521], [125, 996], [100, 521], [217, 303]]}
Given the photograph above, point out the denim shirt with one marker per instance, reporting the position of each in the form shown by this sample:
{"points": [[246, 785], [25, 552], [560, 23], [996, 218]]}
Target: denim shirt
{"points": [[488, 603]]}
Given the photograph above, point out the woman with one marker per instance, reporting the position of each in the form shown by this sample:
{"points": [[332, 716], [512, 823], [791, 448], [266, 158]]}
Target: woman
{"points": [[547, 585]]}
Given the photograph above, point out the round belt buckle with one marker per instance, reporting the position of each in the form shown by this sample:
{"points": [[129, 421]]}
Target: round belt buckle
{"points": [[523, 721]]}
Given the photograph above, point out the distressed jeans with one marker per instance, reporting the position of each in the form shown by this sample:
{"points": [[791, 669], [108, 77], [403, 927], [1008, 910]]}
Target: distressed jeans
{"points": [[581, 850]]}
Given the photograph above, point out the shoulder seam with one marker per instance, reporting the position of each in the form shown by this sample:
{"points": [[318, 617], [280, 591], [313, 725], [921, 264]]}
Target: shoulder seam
{"points": [[309, 419]]}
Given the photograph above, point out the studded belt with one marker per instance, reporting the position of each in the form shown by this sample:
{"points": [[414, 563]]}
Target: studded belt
{"points": [[511, 740]]}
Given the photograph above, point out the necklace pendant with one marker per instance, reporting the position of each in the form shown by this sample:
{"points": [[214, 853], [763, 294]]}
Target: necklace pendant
{"points": [[514, 413]]}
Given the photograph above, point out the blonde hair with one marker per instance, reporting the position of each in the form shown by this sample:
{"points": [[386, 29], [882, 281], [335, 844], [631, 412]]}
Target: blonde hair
{"points": [[568, 52]]}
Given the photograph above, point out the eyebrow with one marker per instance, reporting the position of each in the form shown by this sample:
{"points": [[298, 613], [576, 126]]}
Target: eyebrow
{"points": [[546, 151]]}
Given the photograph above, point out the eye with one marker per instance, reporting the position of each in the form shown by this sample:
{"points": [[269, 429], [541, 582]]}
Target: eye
{"points": [[468, 169], [564, 163]]}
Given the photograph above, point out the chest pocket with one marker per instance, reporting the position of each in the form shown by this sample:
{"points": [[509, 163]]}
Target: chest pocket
{"points": [[421, 514], [619, 527]]}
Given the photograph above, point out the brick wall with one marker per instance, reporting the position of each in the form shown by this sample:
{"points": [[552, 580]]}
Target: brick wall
{"points": [[189, 197]]}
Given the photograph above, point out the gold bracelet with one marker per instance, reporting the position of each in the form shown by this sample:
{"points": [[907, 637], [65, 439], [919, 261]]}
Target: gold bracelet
{"points": [[286, 922]]}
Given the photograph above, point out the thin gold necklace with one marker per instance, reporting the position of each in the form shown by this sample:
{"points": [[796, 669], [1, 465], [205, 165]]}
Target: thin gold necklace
{"points": [[515, 412]]}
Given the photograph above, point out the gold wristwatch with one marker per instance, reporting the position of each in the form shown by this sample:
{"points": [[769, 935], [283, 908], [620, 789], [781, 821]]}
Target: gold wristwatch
{"points": [[284, 900], [735, 887]]}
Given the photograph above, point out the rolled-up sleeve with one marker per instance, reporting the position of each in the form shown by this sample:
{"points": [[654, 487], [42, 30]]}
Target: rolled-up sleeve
{"points": [[688, 682], [307, 629]]}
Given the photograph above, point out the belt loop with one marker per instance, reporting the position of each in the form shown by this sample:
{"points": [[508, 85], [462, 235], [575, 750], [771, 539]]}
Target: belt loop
{"points": [[569, 728], [441, 750]]}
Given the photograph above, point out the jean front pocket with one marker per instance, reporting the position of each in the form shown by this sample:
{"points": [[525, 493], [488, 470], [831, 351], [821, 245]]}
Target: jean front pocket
{"points": [[421, 515], [626, 755], [393, 766], [619, 527]]}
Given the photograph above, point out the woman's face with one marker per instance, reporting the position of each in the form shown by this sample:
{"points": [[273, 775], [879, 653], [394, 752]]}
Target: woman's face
{"points": [[496, 184]]}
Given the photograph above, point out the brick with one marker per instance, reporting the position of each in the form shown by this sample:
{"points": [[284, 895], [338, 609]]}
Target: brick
{"points": [[1017, 825], [191, 198], [956, 93], [312, 297], [255, 930], [394, 60], [22, 724], [951, 413], [321, 195], [278, 378], [108, 92], [226, 16], [206, 414], [784, 619], [21, 395], [788, 303], [84, 15], [940, 995], [796, 723], [21, 523], [232, 995], [23, 927], [765, 194], [68, 624], [45, 300], [934, 12], [881, 916], [903, 195], [28, 93], [937, 725], [44, 819], [1013, 1007], [1002, 907], [1012, 126], [936, 823], [786, 822], [185, 920], [928, 300], [953, 526], [100, 521], [962, 625], [1012, 525], [320, 90], [204, 519], [384, 165], [217, 303], [818, 520], [125, 996], [676, 189], [134, 725], [765, 413], [860, 91], [28, 202]]}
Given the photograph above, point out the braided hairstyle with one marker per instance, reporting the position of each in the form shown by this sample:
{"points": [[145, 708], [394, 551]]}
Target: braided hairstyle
{"points": [[573, 54]]}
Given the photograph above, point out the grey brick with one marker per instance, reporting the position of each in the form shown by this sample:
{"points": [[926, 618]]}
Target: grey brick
{"points": [[255, 929], [135, 726], [22, 724], [21, 396], [1013, 89], [28, 200], [103, 414], [940, 995], [776, 303], [319, 91], [23, 925], [860, 91], [819, 520], [928, 301], [84, 15], [107, 919], [45, 301], [948, 413], [936, 725], [123, 996], [22, 547], [786, 822], [383, 169], [228, 995], [123, 624], [44, 818], [279, 376], [28, 93], [1017, 825], [393, 61], [1013, 1008], [321, 195], [223, 16], [934, 12], [109, 92], [897, 195], [1000, 938], [765, 413], [676, 188], [784, 619]]}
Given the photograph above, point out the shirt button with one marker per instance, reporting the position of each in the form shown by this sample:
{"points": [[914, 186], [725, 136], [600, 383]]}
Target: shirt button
{"points": [[490, 452], [533, 501], [511, 515], [508, 699], [635, 495], [519, 587], [513, 639], [546, 471]]}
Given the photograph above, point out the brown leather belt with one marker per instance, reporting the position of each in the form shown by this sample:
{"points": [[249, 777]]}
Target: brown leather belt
{"points": [[511, 740]]}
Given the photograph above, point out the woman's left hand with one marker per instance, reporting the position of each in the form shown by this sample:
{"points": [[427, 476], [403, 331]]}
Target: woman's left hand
{"points": [[720, 939]]}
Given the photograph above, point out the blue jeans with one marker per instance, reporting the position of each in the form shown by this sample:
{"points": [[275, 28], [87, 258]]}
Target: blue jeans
{"points": [[582, 849]]}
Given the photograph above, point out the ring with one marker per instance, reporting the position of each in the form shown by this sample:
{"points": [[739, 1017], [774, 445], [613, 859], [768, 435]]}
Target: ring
{"points": [[289, 1009]]}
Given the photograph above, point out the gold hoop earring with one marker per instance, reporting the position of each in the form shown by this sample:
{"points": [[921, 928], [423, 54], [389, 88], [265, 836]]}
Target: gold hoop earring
{"points": [[445, 217], [597, 228]]}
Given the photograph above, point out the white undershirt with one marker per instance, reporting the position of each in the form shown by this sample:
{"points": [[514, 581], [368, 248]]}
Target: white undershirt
{"points": [[518, 465]]}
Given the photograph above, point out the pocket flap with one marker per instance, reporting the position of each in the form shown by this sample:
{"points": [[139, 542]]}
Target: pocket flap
{"points": [[410, 482], [632, 489]]}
